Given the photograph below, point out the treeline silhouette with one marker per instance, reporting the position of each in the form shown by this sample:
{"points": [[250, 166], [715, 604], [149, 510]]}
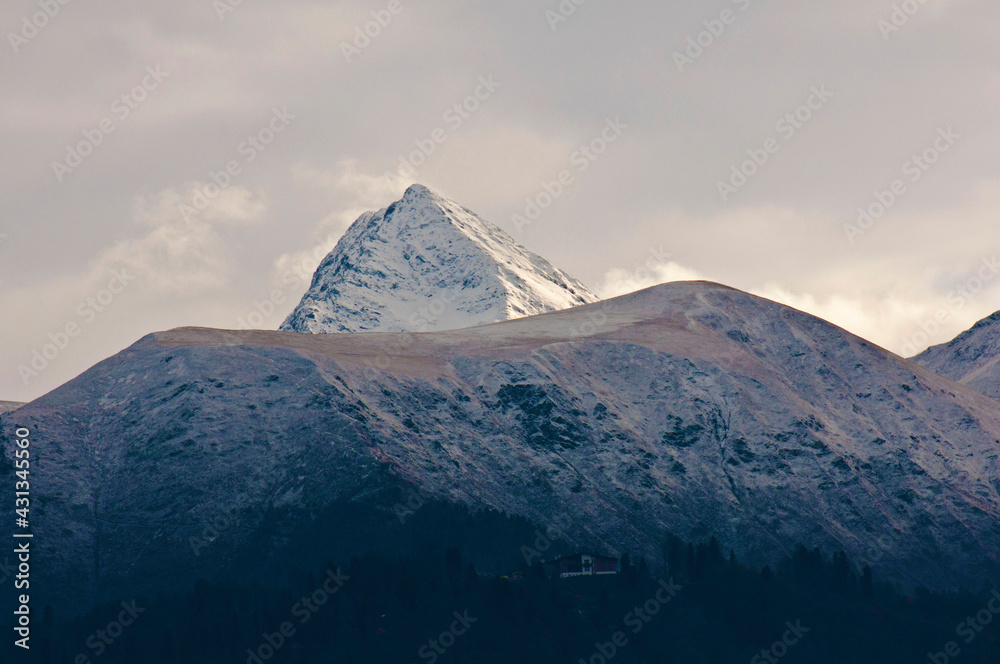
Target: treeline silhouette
{"points": [[435, 607]]}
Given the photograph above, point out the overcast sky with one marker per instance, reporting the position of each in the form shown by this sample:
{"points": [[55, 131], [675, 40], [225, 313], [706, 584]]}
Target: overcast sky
{"points": [[163, 95]]}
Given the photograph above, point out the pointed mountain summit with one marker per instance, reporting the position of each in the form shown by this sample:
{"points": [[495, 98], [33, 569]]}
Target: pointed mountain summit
{"points": [[426, 263], [971, 358]]}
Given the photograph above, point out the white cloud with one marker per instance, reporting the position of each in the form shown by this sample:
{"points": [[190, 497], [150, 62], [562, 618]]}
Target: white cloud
{"points": [[619, 281], [231, 206], [782, 236], [299, 266], [883, 321], [349, 189], [174, 255], [183, 253], [347, 177]]}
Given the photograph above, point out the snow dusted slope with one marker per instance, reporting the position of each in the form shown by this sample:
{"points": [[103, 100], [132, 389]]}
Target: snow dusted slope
{"points": [[971, 358], [689, 406], [426, 263]]}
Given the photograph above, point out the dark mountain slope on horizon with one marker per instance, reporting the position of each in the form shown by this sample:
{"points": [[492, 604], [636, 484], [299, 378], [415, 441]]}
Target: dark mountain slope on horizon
{"points": [[690, 407], [972, 358]]}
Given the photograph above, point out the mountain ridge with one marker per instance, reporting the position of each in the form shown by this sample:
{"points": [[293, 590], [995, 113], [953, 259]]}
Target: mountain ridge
{"points": [[687, 407], [971, 358]]}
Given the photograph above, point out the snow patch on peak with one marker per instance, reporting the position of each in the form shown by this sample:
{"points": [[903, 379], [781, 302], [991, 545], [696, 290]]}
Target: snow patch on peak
{"points": [[426, 263], [419, 191]]}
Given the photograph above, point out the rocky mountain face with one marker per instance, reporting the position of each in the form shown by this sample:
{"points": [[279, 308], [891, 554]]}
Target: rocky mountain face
{"points": [[688, 407], [971, 358], [426, 263]]}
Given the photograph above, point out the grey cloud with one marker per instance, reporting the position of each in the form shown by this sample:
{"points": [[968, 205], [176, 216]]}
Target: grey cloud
{"points": [[654, 187]]}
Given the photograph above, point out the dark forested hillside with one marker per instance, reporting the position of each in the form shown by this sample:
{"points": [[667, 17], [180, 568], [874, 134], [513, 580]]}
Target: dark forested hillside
{"points": [[696, 604]]}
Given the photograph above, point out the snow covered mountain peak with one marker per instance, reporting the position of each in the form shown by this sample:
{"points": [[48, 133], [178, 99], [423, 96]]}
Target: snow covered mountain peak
{"points": [[427, 263], [416, 191]]}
